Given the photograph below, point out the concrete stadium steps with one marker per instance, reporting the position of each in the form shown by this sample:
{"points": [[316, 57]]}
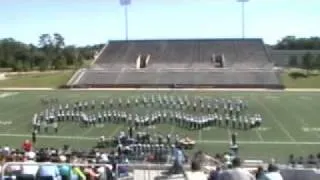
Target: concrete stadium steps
{"points": [[113, 53], [137, 78], [98, 78], [179, 51], [250, 54], [135, 48], [244, 53], [209, 47], [180, 78]]}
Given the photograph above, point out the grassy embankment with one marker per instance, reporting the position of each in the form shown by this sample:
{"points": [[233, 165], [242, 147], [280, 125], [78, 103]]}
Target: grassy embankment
{"points": [[298, 78]]}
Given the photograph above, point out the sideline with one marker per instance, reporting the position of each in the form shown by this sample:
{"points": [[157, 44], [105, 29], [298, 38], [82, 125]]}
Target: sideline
{"points": [[160, 89], [200, 142]]}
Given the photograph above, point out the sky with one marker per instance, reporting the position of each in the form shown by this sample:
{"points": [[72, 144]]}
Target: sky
{"points": [[85, 22]]}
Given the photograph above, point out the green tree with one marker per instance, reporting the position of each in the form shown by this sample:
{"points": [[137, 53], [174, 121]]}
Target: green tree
{"points": [[79, 61], [70, 53], [317, 62], [307, 62], [293, 61], [18, 66], [60, 63], [44, 65], [26, 66]]}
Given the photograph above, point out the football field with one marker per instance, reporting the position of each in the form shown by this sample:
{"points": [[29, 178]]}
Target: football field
{"points": [[291, 122]]}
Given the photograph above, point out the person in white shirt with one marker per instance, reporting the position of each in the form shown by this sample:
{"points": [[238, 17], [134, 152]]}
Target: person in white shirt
{"points": [[237, 173], [30, 169], [273, 173]]}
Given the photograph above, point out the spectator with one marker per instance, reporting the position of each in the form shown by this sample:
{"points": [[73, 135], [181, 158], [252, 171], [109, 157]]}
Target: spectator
{"points": [[196, 172], [273, 173], [48, 171], [260, 174], [65, 170], [77, 173], [214, 175], [27, 146], [178, 160], [30, 170], [300, 161], [236, 173], [292, 161], [312, 160]]}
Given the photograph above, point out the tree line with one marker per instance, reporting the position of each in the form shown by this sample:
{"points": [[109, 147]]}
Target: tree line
{"points": [[308, 61], [50, 54], [294, 43]]}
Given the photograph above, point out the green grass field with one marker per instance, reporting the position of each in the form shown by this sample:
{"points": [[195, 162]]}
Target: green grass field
{"points": [[311, 81], [291, 122], [37, 80]]}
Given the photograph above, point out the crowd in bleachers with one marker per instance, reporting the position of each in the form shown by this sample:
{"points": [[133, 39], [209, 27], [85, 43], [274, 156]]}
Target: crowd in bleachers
{"points": [[104, 165], [106, 168]]}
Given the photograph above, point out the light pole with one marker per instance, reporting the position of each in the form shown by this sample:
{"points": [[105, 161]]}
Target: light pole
{"points": [[125, 3], [243, 2]]}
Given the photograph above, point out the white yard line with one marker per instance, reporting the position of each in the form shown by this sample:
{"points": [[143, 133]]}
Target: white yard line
{"points": [[202, 141], [229, 135], [115, 132], [28, 120], [300, 118], [200, 135], [172, 129], [257, 132], [285, 131], [88, 130], [259, 135]]}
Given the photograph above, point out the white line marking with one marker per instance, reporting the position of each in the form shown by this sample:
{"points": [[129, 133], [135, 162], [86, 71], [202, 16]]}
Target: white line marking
{"points": [[202, 141], [260, 142], [275, 120], [200, 135], [300, 118], [79, 76], [7, 94], [115, 131], [259, 135]]}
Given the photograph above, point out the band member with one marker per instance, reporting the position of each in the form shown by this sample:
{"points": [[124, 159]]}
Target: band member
{"points": [[227, 119], [130, 131], [233, 139], [234, 122], [34, 137], [102, 105], [93, 104], [55, 126]]}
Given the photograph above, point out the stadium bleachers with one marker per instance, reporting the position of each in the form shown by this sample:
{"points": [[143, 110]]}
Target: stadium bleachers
{"points": [[180, 78], [250, 54], [237, 52], [184, 63]]}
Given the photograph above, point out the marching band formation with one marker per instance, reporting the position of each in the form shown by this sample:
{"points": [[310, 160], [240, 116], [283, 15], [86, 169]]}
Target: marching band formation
{"points": [[193, 113]]}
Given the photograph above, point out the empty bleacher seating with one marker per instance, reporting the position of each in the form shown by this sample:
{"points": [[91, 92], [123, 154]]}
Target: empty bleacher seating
{"points": [[183, 62]]}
